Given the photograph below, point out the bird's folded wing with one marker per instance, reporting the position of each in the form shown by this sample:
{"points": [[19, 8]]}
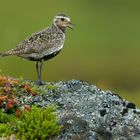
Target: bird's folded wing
{"points": [[33, 44]]}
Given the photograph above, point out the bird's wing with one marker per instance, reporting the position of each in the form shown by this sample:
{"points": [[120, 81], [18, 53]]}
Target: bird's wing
{"points": [[32, 44]]}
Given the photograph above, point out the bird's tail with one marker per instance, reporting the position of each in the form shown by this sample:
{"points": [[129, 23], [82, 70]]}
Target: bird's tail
{"points": [[0, 54], [3, 54]]}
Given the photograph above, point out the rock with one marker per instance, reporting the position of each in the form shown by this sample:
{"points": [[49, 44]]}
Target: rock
{"points": [[88, 113]]}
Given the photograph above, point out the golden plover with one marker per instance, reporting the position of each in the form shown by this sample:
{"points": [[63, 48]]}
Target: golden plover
{"points": [[43, 45]]}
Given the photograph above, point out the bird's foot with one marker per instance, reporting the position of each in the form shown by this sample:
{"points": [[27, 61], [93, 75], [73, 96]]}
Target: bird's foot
{"points": [[40, 83]]}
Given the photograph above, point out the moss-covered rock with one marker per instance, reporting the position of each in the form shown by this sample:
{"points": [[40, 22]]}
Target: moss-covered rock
{"points": [[84, 111]]}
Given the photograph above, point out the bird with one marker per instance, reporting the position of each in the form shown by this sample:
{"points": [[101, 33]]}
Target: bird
{"points": [[43, 45]]}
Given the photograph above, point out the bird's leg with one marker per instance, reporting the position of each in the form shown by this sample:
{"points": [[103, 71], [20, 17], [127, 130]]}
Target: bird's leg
{"points": [[37, 69], [40, 71]]}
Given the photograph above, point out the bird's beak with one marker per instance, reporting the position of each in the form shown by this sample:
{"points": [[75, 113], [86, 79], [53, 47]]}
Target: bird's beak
{"points": [[71, 25]]}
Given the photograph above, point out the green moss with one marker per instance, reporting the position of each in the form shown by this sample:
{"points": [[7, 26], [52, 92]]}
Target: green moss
{"points": [[4, 130], [52, 87], [40, 123], [6, 118], [5, 123]]}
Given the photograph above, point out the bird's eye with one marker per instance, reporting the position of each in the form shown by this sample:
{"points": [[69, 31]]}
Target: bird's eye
{"points": [[62, 19]]}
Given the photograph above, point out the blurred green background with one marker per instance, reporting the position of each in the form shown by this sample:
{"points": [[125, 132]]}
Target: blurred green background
{"points": [[103, 49]]}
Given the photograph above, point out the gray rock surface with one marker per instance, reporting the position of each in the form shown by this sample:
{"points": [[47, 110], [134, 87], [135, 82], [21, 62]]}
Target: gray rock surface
{"points": [[88, 113]]}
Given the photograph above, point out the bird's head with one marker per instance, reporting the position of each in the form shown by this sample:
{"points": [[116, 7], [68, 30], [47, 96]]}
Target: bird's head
{"points": [[62, 21]]}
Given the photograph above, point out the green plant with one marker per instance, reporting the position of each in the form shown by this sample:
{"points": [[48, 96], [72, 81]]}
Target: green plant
{"points": [[5, 123], [39, 123]]}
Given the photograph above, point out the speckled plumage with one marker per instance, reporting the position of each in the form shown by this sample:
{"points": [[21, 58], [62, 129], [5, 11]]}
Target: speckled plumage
{"points": [[40, 44], [45, 44]]}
